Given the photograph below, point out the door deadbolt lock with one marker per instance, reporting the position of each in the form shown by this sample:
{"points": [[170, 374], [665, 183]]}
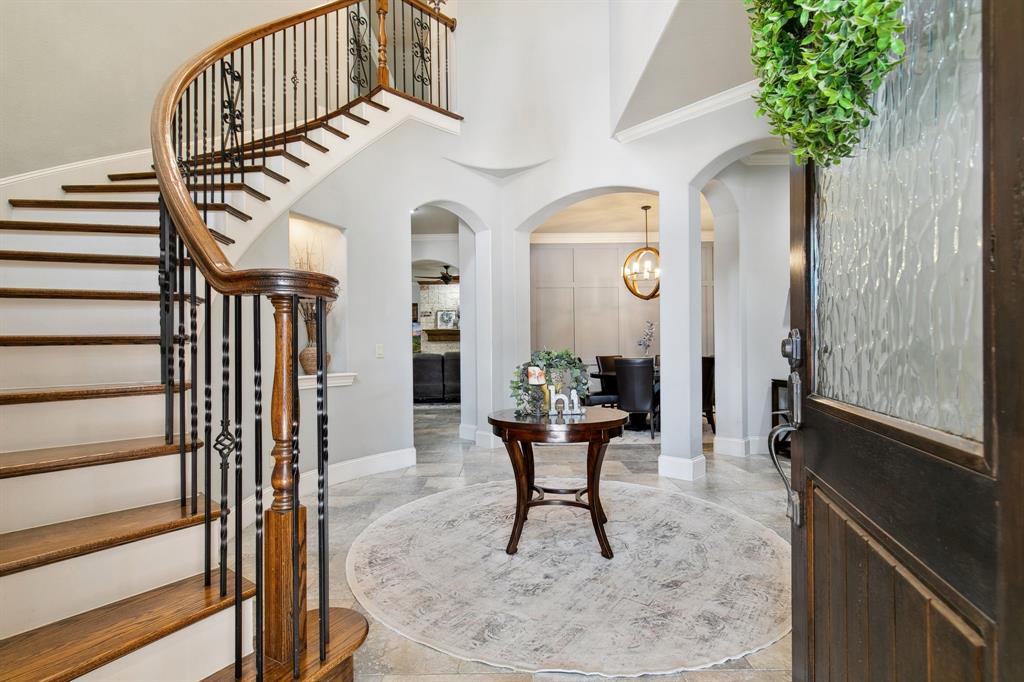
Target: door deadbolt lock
{"points": [[793, 348]]}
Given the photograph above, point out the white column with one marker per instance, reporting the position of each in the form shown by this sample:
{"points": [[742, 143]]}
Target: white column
{"points": [[730, 332], [468, 336], [681, 449]]}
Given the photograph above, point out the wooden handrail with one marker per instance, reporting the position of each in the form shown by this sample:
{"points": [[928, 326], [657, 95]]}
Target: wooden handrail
{"points": [[209, 257]]}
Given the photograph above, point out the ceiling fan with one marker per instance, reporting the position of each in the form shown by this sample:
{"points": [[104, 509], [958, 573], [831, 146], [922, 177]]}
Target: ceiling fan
{"points": [[445, 277]]}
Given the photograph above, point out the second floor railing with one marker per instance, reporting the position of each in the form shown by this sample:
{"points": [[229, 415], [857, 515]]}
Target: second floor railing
{"points": [[225, 114]]}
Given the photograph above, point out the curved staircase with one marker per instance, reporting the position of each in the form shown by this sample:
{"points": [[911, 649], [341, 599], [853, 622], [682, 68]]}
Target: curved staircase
{"points": [[114, 561]]}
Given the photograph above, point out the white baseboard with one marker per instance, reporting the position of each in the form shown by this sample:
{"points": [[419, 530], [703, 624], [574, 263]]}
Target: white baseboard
{"points": [[486, 439], [736, 447], [467, 431], [686, 469], [74, 166], [757, 445], [338, 472], [741, 447]]}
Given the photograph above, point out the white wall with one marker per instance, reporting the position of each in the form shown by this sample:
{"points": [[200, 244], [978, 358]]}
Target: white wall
{"points": [[579, 302], [327, 243], [634, 29], [80, 77]]}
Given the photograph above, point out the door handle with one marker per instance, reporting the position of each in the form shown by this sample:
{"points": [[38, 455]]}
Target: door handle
{"points": [[792, 350]]}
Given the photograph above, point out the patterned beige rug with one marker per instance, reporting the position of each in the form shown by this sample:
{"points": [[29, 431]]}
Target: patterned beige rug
{"points": [[692, 584]]}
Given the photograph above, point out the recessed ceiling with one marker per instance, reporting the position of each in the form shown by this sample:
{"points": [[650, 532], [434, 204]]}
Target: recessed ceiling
{"points": [[434, 220], [614, 213]]}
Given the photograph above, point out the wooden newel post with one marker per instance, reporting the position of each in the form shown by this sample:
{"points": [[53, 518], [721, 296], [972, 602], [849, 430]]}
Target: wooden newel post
{"points": [[383, 76], [278, 518]]}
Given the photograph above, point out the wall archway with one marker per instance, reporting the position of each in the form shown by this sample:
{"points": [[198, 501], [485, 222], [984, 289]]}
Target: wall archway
{"points": [[750, 268], [477, 324]]}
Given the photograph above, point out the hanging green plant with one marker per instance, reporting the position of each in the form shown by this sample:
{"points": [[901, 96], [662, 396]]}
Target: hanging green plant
{"points": [[819, 61]]}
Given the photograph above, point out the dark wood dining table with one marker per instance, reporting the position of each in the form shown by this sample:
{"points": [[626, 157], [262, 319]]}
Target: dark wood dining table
{"points": [[637, 420], [519, 432]]}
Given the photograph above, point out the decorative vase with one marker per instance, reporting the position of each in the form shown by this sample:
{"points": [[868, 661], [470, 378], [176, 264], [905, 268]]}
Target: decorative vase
{"points": [[307, 356]]}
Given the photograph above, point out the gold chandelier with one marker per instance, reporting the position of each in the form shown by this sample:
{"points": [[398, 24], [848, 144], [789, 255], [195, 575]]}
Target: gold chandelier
{"points": [[642, 270]]}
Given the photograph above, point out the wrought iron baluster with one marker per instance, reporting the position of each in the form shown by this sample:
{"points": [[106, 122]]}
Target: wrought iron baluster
{"points": [[181, 367], [359, 51], [232, 117], [257, 435], [295, 82], [337, 60], [447, 82], [421, 53], [305, 79], [238, 485], [225, 440], [295, 486], [207, 432], [166, 332], [193, 397], [404, 85], [321, 487], [263, 99], [204, 159]]}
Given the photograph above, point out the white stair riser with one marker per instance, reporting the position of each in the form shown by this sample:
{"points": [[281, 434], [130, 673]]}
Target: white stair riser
{"points": [[31, 274], [192, 653], [234, 197], [216, 219], [70, 422], [89, 491], [48, 593], [55, 316], [37, 366], [79, 242]]}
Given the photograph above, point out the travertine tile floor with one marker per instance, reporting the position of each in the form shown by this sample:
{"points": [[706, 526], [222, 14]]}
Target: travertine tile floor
{"points": [[747, 485]]}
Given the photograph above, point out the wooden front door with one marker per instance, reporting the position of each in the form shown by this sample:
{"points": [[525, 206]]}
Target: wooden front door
{"points": [[908, 293]]}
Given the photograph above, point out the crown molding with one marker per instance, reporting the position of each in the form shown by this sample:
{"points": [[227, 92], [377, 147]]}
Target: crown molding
{"points": [[689, 112], [780, 158], [591, 238]]}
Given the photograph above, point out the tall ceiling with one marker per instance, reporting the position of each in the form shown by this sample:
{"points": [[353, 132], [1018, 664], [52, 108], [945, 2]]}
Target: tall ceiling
{"points": [[704, 50], [614, 213]]}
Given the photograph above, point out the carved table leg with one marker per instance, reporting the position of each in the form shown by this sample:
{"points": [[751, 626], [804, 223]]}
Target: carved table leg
{"points": [[515, 453], [595, 458], [527, 449]]}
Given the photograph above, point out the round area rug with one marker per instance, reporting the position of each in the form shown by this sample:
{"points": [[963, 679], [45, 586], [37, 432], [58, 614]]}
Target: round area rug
{"points": [[692, 584]]}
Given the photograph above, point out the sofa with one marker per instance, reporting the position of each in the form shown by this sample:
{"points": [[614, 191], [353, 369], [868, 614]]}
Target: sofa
{"points": [[435, 377]]}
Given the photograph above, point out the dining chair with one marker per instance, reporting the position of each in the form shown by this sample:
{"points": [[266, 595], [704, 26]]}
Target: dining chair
{"points": [[635, 378], [609, 393], [707, 375]]}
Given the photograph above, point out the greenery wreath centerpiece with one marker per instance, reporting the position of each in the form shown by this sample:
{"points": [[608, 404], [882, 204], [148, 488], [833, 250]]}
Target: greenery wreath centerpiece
{"points": [[562, 369], [819, 62]]}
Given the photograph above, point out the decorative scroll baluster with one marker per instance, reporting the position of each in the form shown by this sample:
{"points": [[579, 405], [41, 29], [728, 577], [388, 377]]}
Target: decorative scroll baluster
{"points": [[359, 51], [166, 323], [225, 441], [421, 55], [232, 120]]}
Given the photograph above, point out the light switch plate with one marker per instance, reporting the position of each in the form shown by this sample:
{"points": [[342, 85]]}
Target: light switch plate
{"points": [[380, 350]]}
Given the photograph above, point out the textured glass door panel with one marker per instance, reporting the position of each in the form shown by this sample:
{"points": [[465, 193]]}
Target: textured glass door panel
{"points": [[897, 237]]}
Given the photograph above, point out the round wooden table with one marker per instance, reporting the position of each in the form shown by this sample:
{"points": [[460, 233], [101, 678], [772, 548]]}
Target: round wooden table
{"points": [[519, 433]]}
